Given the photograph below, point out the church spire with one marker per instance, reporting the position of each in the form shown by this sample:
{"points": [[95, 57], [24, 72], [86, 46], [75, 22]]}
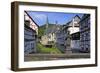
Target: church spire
{"points": [[56, 22], [47, 23]]}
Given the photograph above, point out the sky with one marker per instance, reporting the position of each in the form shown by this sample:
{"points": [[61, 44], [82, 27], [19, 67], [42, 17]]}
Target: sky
{"points": [[61, 18]]}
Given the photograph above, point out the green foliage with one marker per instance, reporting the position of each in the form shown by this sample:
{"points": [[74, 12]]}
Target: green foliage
{"points": [[41, 31], [43, 49]]}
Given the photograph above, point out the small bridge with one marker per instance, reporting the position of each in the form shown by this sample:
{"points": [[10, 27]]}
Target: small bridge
{"points": [[40, 57]]}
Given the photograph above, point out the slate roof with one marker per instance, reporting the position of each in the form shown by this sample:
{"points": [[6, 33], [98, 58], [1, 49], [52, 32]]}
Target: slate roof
{"points": [[70, 23]]}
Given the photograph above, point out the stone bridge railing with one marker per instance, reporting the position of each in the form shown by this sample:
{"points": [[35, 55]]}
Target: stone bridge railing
{"points": [[32, 57]]}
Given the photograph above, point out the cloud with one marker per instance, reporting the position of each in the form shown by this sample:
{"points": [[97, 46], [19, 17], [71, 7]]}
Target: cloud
{"points": [[40, 17]]}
